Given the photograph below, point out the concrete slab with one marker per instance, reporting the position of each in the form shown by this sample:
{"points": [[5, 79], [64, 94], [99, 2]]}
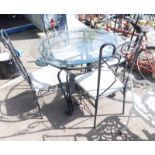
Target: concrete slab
{"points": [[19, 119]]}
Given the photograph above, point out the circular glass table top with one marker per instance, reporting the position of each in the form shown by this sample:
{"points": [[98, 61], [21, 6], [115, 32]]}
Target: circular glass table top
{"points": [[68, 48]]}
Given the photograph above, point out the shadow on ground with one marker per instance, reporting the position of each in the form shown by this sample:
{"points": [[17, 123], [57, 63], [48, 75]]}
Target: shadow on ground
{"points": [[63, 127], [107, 130], [150, 136], [22, 108], [18, 108]]}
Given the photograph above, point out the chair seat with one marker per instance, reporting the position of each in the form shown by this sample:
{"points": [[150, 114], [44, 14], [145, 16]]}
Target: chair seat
{"points": [[108, 82], [46, 77]]}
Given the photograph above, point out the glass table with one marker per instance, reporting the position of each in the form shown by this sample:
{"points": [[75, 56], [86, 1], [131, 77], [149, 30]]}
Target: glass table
{"points": [[67, 49], [70, 48]]}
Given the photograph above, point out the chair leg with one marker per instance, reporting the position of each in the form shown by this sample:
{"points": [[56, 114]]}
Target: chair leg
{"points": [[96, 108], [124, 94], [121, 131], [39, 110], [124, 99], [36, 100]]}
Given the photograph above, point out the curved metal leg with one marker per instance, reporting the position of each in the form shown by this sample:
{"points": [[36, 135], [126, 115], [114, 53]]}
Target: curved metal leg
{"points": [[66, 93], [96, 108]]}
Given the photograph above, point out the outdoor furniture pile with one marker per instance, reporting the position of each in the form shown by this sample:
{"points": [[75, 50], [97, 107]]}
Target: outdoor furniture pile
{"points": [[87, 63]]}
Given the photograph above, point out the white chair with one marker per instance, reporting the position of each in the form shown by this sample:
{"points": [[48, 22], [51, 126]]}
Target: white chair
{"points": [[143, 99], [73, 24], [100, 82], [42, 79], [143, 104]]}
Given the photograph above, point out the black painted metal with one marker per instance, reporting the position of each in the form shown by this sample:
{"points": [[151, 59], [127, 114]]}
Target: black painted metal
{"points": [[7, 43], [99, 78], [137, 19], [66, 92], [115, 23]]}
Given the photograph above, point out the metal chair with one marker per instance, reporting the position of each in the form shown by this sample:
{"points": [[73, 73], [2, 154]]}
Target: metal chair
{"points": [[42, 79], [101, 82], [144, 99], [143, 102], [143, 105]]}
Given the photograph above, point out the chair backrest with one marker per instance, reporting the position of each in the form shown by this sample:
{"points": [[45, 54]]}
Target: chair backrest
{"points": [[101, 61], [144, 103], [7, 43], [137, 49]]}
